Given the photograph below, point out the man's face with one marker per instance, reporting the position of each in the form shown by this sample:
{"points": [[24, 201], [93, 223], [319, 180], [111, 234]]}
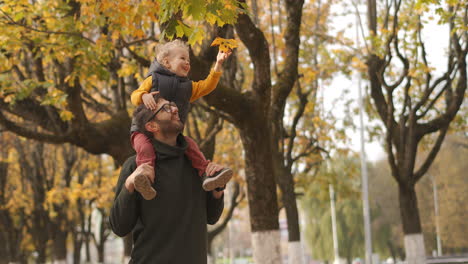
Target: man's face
{"points": [[167, 118], [178, 61]]}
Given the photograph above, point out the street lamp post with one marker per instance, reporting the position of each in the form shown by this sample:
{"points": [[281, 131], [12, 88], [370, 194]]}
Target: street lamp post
{"points": [[436, 212], [334, 230], [364, 177]]}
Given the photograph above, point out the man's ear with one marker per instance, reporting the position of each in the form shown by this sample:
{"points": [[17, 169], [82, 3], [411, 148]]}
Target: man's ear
{"points": [[151, 127]]}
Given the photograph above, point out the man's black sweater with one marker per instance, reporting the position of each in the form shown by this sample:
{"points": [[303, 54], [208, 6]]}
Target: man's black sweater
{"points": [[171, 228]]}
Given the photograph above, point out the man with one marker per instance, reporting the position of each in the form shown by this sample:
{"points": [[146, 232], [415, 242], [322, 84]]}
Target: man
{"points": [[172, 227]]}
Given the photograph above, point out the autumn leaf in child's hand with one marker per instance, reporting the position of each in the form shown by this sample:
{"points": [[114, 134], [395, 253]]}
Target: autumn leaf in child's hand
{"points": [[225, 45]]}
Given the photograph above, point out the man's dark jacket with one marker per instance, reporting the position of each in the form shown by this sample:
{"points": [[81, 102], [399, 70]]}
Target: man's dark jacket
{"points": [[171, 228]]}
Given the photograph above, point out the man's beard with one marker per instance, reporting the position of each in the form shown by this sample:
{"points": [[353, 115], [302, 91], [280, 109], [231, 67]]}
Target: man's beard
{"points": [[170, 128]]}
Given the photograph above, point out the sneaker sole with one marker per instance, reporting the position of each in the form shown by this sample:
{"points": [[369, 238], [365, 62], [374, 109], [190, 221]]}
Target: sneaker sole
{"points": [[143, 186], [219, 181]]}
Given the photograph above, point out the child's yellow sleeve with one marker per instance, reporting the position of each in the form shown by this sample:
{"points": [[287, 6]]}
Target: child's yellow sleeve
{"points": [[204, 87], [145, 87]]}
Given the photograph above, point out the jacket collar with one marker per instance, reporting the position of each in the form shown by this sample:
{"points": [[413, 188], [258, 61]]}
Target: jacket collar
{"points": [[164, 151]]}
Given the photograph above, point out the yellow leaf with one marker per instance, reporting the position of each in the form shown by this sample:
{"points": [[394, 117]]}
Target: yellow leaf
{"points": [[66, 115], [9, 98], [224, 44], [210, 18]]}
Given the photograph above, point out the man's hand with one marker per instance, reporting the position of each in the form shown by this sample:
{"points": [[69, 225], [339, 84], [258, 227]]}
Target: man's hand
{"points": [[222, 56], [145, 169], [148, 100], [211, 169]]}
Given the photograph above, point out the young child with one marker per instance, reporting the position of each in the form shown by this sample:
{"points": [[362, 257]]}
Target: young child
{"points": [[168, 76]]}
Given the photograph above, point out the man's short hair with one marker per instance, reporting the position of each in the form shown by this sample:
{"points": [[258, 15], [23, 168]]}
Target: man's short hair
{"points": [[142, 114]]}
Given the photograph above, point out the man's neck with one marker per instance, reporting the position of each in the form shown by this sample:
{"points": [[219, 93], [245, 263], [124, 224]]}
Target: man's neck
{"points": [[169, 140]]}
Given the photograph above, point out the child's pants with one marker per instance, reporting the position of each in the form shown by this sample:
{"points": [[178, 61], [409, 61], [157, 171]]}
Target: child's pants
{"points": [[145, 152]]}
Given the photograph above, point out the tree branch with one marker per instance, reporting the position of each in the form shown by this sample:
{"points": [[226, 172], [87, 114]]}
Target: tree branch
{"points": [[92, 103], [361, 27], [299, 113], [254, 39], [236, 198], [288, 74], [430, 158], [391, 129], [427, 92], [310, 148], [372, 16], [141, 60], [31, 110], [13, 22], [24, 132], [273, 42], [213, 131]]}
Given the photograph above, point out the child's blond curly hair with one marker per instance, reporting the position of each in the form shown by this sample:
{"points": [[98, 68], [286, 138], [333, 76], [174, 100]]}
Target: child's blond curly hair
{"points": [[163, 50]]}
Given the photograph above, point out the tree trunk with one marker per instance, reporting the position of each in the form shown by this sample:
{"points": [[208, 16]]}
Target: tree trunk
{"points": [[409, 209], [87, 241], [100, 245], [211, 259], [266, 247], [415, 250], [100, 250], [295, 252], [10, 237], [60, 246], [286, 184], [41, 255], [263, 204], [77, 243], [414, 242], [40, 235]]}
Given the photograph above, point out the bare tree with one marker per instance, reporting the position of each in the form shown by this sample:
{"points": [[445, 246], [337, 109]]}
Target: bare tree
{"points": [[427, 105]]}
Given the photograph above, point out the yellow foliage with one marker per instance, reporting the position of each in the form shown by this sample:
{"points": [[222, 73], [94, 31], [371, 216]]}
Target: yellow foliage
{"points": [[66, 115], [359, 64], [225, 45]]}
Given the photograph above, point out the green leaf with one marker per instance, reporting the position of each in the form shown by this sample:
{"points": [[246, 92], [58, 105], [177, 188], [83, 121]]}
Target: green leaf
{"points": [[197, 9], [179, 31]]}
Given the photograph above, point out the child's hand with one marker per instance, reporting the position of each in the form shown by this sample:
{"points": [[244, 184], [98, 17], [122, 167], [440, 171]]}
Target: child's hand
{"points": [[148, 100], [222, 56]]}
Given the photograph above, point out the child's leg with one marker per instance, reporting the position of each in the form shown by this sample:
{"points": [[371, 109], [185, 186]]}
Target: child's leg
{"points": [[145, 154], [197, 158], [218, 180], [144, 149]]}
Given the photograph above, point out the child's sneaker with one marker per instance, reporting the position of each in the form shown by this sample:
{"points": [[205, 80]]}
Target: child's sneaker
{"points": [[218, 180], [143, 186]]}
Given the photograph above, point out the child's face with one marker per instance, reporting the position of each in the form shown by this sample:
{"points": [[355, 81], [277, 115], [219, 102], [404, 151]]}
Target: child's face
{"points": [[178, 62]]}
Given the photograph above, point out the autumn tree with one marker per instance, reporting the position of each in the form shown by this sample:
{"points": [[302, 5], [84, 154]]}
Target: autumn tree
{"points": [[68, 66], [411, 99], [284, 98], [51, 199], [12, 218]]}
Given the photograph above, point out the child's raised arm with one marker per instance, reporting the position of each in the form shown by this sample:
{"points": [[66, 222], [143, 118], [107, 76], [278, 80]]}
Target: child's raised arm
{"points": [[222, 56]]}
